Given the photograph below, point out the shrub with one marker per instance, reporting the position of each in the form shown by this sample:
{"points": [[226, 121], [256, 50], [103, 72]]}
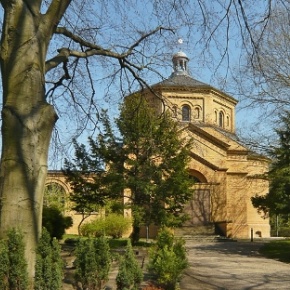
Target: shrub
{"points": [[117, 225], [13, 267], [95, 228], [130, 273], [167, 259], [92, 263], [55, 222], [4, 265], [114, 225], [49, 265]]}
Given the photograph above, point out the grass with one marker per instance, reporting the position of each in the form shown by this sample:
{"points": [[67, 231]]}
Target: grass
{"points": [[278, 250], [114, 243]]}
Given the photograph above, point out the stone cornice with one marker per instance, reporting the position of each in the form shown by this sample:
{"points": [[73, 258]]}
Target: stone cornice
{"points": [[207, 163], [207, 136]]}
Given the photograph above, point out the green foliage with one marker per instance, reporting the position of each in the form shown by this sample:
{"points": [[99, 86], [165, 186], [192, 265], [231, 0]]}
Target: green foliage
{"points": [[86, 176], [49, 265], [114, 225], [92, 263], [4, 265], [13, 267], [117, 225], [149, 158], [277, 201], [130, 273], [54, 196], [55, 222], [167, 259]]}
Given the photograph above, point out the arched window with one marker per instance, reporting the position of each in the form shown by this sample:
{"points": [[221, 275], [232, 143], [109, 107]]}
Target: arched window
{"points": [[228, 121], [216, 117], [186, 113], [54, 196], [221, 119], [196, 113]]}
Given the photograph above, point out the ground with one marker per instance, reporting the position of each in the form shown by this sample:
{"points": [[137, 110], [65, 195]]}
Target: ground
{"points": [[214, 265]]}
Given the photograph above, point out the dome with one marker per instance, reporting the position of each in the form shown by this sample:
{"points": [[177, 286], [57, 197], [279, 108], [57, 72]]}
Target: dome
{"points": [[180, 54], [180, 61]]}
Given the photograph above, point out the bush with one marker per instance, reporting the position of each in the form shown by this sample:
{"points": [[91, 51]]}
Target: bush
{"points": [[130, 273], [13, 267], [114, 225], [49, 265], [55, 222], [95, 228], [167, 259], [92, 263], [117, 225]]}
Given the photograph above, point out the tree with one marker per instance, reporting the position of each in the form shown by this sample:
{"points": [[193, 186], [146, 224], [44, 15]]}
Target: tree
{"points": [[85, 176], [55, 222], [167, 259], [130, 274], [13, 269], [49, 264], [146, 164], [262, 79], [93, 261], [277, 201], [43, 46]]}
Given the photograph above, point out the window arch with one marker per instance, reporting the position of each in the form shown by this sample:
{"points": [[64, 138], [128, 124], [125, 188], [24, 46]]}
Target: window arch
{"points": [[228, 121], [196, 113], [221, 119], [54, 196], [186, 113]]}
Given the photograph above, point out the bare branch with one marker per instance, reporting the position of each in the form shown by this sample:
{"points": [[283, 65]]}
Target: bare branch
{"points": [[93, 49], [55, 12]]}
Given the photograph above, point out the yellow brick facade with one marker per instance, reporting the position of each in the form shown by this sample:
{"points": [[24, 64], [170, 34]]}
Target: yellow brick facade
{"points": [[228, 174]]}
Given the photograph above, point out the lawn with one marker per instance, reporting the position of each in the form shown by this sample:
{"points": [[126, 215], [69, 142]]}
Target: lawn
{"points": [[278, 250]]}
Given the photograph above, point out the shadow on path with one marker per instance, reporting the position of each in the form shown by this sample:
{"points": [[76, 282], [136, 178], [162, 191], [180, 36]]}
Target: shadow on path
{"points": [[233, 266]]}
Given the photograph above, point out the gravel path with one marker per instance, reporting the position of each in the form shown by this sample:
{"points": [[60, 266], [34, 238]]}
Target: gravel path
{"points": [[220, 266], [233, 266]]}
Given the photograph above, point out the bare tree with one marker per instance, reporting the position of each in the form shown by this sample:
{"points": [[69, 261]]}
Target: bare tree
{"points": [[55, 56], [261, 80]]}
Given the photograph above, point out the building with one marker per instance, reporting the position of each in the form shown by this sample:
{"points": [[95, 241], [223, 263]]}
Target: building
{"points": [[227, 173]]}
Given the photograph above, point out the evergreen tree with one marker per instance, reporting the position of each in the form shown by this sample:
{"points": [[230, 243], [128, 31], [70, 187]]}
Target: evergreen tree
{"points": [[167, 259], [4, 265], [93, 261], [147, 160], [130, 273], [13, 268], [49, 265], [85, 176], [277, 201]]}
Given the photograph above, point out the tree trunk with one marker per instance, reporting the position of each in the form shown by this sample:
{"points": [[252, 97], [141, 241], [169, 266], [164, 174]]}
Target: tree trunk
{"points": [[27, 123]]}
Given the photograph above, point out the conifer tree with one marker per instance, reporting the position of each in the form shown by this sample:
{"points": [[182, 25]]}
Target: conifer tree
{"points": [[167, 259], [13, 267], [277, 201], [147, 161], [92, 263], [130, 273], [49, 265]]}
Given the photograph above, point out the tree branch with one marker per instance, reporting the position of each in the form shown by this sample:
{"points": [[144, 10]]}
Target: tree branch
{"points": [[55, 12], [92, 49]]}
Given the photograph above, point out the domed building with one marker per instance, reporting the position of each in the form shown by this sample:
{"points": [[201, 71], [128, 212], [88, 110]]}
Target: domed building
{"points": [[227, 173]]}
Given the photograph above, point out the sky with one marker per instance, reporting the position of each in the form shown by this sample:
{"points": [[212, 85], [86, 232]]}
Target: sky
{"points": [[114, 25]]}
